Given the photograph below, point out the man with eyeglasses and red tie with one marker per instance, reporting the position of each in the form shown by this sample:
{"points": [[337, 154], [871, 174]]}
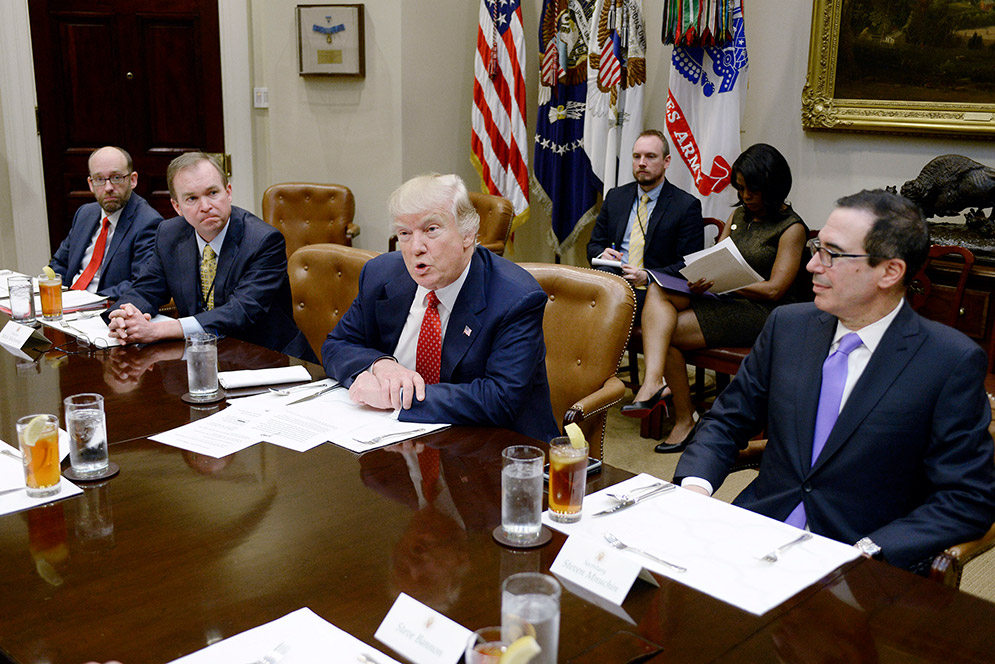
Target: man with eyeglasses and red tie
{"points": [[876, 418], [110, 239]]}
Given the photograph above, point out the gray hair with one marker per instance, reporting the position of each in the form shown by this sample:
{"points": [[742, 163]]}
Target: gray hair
{"points": [[442, 195]]}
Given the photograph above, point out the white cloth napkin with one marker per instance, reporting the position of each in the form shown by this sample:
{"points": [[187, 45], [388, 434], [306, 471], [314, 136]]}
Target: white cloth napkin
{"points": [[231, 380]]}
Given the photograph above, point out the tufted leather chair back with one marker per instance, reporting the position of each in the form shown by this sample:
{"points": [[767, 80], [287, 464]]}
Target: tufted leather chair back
{"points": [[324, 280], [310, 213], [586, 326], [496, 214]]}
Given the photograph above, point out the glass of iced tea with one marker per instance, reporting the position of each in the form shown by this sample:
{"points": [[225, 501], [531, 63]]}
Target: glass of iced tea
{"points": [[50, 289], [38, 437], [567, 479], [486, 646]]}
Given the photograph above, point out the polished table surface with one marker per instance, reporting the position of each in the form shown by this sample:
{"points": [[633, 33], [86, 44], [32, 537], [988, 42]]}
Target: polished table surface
{"points": [[181, 550]]}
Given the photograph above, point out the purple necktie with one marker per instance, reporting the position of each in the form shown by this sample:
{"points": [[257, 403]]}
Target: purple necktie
{"points": [[833, 380]]}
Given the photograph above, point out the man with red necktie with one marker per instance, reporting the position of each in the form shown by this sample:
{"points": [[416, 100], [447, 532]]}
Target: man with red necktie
{"points": [[877, 419], [111, 239], [443, 329]]}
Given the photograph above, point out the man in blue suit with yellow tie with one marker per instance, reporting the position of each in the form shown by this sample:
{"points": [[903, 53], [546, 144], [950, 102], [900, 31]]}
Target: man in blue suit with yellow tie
{"points": [[110, 239], [443, 329], [877, 419], [225, 269]]}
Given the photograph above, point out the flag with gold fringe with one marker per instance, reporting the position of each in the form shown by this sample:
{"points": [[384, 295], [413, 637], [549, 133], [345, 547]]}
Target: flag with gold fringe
{"points": [[616, 81], [704, 108], [499, 137], [563, 182]]}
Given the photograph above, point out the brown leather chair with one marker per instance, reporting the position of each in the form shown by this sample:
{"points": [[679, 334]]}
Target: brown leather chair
{"points": [[586, 326], [496, 214], [310, 213], [324, 280], [936, 302]]}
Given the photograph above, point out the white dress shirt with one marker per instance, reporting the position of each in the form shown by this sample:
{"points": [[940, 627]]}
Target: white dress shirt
{"points": [[407, 344]]}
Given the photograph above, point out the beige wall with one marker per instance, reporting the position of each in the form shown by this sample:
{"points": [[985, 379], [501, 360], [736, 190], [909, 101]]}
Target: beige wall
{"points": [[411, 113]]}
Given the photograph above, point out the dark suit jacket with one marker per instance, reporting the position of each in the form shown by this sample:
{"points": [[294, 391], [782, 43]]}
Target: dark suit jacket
{"points": [[251, 287], [909, 462], [674, 230], [130, 248], [493, 375]]}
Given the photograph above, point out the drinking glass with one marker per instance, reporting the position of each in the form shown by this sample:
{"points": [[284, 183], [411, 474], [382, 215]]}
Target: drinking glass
{"points": [[567, 479], [87, 427], [521, 493], [530, 604], [485, 646], [50, 289], [38, 437], [22, 300], [202, 366]]}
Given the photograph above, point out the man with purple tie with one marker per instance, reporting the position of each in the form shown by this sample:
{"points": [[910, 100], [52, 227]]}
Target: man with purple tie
{"points": [[876, 417]]}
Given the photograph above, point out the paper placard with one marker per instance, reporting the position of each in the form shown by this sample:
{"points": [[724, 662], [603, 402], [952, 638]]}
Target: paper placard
{"points": [[13, 336], [596, 567], [421, 634]]}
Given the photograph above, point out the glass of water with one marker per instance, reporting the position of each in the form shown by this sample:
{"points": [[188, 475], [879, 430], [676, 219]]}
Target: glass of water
{"points": [[521, 493], [22, 300], [87, 427], [530, 604], [202, 366]]}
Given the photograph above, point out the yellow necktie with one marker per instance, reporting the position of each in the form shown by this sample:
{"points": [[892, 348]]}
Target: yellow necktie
{"points": [[637, 237], [208, 268]]}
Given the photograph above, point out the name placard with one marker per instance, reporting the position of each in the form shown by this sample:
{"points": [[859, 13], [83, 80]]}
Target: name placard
{"points": [[14, 335], [596, 567], [421, 634]]}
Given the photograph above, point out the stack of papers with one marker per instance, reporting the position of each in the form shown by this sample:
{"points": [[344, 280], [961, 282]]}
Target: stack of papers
{"points": [[296, 638], [722, 264], [719, 544]]}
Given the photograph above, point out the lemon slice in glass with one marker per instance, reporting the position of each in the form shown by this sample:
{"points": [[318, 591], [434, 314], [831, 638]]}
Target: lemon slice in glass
{"points": [[521, 651], [576, 435], [48, 272], [35, 430]]}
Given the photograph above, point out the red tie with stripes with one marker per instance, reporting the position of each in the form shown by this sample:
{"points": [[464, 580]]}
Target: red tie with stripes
{"points": [[95, 260]]}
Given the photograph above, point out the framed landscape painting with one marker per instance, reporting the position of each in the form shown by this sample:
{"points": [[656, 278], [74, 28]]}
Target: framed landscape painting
{"points": [[903, 66]]}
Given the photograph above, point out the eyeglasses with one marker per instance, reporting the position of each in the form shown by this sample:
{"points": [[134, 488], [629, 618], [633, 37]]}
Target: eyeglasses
{"points": [[826, 256], [116, 180]]}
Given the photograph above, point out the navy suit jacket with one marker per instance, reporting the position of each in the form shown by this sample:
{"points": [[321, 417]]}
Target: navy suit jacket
{"points": [[251, 287], [493, 370], [674, 230], [130, 248], [909, 462]]}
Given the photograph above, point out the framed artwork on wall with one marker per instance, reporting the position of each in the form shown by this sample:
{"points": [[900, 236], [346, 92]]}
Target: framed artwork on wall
{"points": [[331, 41], [902, 66]]}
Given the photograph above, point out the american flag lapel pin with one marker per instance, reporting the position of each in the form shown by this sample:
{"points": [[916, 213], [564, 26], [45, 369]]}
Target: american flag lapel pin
{"points": [[467, 331]]}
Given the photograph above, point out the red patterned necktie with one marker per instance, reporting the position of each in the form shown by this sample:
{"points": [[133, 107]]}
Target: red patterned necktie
{"points": [[429, 354], [95, 260]]}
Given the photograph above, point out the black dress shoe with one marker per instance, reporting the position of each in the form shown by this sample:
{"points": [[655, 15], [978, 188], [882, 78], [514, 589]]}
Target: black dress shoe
{"points": [[642, 409], [665, 448]]}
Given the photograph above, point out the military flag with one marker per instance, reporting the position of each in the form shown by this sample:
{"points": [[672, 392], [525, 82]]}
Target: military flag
{"points": [[499, 139]]}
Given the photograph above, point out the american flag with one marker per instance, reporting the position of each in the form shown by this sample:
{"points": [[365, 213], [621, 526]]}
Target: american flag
{"points": [[610, 72], [500, 141]]}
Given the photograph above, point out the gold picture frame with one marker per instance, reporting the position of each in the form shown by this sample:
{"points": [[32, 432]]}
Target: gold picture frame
{"points": [[331, 41], [899, 102]]}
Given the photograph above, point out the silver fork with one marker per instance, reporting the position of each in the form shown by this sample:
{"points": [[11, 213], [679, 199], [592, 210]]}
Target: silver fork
{"points": [[275, 655], [626, 497], [377, 439], [775, 555], [622, 546]]}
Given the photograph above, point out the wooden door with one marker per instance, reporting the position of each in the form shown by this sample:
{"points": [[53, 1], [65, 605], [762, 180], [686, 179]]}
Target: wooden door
{"points": [[142, 74]]}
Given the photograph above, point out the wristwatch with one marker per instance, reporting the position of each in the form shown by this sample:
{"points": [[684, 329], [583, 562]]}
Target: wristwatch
{"points": [[869, 548]]}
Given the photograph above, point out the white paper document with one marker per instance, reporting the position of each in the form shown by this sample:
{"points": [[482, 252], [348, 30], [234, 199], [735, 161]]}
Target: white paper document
{"points": [[301, 637], [722, 264], [12, 477], [719, 544], [275, 419]]}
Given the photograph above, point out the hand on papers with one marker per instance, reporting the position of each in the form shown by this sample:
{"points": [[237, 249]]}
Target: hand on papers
{"points": [[387, 386], [132, 326], [700, 286]]}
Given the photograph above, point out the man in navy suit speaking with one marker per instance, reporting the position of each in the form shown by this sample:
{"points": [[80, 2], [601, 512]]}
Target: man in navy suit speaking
{"points": [[112, 238], [443, 329]]}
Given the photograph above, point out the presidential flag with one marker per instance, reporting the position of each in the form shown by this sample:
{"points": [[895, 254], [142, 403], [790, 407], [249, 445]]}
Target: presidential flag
{"points": [[563, 181], [704, 109], [499, 139], [616, 80]]}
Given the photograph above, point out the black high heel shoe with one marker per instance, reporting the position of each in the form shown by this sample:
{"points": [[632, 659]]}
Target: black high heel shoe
{"points": [[643, 409], [665, 448]]}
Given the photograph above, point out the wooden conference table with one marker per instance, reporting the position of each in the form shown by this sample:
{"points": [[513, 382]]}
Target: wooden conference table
{"points": [[181, 550]]}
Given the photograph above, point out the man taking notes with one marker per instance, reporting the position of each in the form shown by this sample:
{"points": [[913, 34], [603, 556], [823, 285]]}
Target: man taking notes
{"points": [[225, 268], [111, 239], [443, 329], [876, 417]]}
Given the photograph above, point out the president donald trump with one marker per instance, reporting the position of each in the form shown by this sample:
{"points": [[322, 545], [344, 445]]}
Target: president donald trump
{"points": [[445, 330]]}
